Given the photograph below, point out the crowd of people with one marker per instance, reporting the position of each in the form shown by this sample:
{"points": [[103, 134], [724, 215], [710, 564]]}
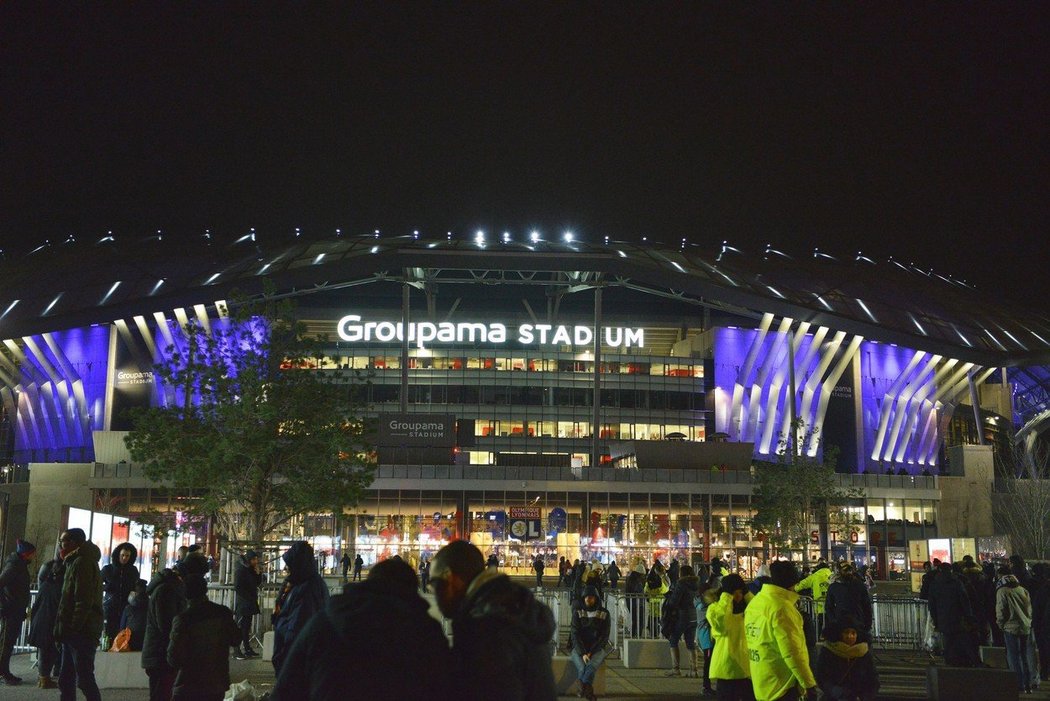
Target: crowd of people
{"points": [[973, 604], [742, 640]]}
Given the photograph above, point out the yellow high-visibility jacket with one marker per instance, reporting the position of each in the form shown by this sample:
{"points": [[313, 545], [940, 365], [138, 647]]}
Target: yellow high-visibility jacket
{"points": [[819, 582], [729, 659], [776, 645]]}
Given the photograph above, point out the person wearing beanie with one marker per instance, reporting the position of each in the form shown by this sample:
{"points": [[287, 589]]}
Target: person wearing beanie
{"points": [[246, 581], [14, 600], [201, 636], [730, 664], [776, 643], [78, 625], [590, 639]]}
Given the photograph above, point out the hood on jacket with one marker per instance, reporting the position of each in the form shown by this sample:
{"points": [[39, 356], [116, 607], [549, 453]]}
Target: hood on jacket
{"points": [[372, 600], [496, 595], [165, 576], [48, 570], [299, 559], [1009, 580], [114, 557], [15, 559], [763, 571], [89, 551], [691, 582]]}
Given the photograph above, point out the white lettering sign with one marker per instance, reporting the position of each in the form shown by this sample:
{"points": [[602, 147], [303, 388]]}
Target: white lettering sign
{"points": [[353, 329]]}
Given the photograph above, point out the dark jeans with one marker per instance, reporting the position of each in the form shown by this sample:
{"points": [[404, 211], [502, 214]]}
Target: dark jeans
{"points": [[161, 681], [78, 668], [245, 624], [47, 660], [10, 627], [539, 579], [735, 690]]}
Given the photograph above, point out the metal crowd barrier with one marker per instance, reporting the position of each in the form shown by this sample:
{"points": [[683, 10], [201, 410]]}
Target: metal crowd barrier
{"points": [[899, 622]]}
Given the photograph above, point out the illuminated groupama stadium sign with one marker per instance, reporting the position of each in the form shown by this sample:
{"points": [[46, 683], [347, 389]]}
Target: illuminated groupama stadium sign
{"points": [[353, 329]]}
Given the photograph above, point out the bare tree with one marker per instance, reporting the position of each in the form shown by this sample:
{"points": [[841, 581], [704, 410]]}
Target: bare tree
{"points": [[1021, 501]]}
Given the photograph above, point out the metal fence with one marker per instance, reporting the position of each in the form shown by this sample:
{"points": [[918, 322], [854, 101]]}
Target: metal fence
{"points": [[899, 622]]}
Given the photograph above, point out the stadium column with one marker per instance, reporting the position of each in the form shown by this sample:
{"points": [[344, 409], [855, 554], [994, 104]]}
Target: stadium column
{"points": [[404, 342], [596, 418]]}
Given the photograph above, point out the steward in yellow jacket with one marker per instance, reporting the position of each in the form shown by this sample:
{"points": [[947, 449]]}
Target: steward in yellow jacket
{"points": [[729, 660], [776, 644], [818, 581]]}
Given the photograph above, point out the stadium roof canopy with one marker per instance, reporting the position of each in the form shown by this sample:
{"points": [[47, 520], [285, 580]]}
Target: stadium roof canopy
{"points": [[80, 283]]}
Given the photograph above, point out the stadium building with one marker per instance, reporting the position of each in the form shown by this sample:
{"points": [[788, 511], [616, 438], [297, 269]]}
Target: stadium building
{"points": [[600, 400]]}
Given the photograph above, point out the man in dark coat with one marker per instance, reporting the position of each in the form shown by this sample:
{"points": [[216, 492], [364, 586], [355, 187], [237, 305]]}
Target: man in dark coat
{"points": [[118, 580], [614, 574], [848, 596], [14, 601], [634, 588], [246, 581], [353, 639], [537, 567], [346, 562], [303, 594], [952, 616], [42, 622], [167, 598], [502, 635], [200, 637], [359, 562], [79, 622], [682, 623]]}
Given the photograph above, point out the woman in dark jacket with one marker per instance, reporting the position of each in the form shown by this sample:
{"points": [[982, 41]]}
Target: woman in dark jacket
{"points": [[246, 581], [42, 621], [119, 578], [304, 593]]}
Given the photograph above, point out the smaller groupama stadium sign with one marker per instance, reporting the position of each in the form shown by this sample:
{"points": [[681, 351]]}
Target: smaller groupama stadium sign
{"points": [[353, 329]]}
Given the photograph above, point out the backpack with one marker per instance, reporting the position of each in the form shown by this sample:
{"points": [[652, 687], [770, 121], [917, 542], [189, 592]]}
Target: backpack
{"points": [[669, 615]]}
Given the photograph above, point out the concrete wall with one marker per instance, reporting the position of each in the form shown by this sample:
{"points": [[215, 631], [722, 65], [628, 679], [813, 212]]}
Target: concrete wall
{"points": [[14, 500], [54, 486], [966, 501]]}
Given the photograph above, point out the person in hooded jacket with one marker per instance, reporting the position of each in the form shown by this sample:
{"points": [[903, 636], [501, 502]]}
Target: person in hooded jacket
{"points": [[682, 622], [119, 578], [354, 636], [1013, 613], [845, 668], [42, 621], [590, 640], [303, 594], [167, 599], [246, 581], [730, 667], [502, 636], [848, 596], [135, 616], [14, 601], [201, 634], [613, 573], [78, 624]]}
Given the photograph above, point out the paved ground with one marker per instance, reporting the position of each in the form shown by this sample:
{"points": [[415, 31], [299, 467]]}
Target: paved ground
{"points": [[903, 676]]}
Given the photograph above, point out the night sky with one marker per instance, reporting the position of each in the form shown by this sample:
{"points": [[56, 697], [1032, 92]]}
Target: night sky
{"points": [[913, 130]]}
